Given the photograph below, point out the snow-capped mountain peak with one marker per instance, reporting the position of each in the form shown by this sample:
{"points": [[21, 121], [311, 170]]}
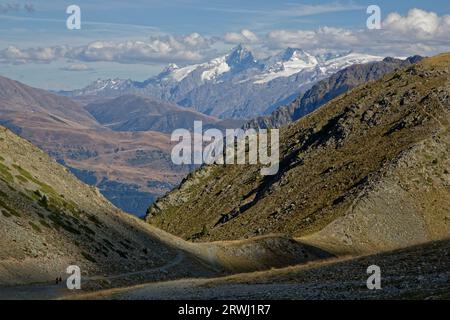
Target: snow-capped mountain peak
{"points": [[237, 60], [292, 54], [171, 67], [285, 64], [240, 58], [294, 61], [241, 65], [236, 84], [213, 69], [102, 85]]}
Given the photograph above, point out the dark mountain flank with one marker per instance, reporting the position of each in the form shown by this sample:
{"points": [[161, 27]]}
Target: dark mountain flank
{"points": [[328, 89], [367, 171], [136, 113]]}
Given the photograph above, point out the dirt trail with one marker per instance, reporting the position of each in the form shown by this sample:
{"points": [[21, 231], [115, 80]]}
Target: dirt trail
{"points": [[256, 254], [53, 291], [419, 272]]}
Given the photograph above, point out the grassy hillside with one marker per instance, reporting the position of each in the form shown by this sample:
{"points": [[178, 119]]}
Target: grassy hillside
{"points": [[50, 220], [369, 171]]}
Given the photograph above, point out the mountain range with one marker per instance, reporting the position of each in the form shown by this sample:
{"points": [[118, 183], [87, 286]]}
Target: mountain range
{"points": [[365, 172], [327, 89], [121, 144], [118, 139], [137, 113], [363, 179], [130, 168], [235, 85]]}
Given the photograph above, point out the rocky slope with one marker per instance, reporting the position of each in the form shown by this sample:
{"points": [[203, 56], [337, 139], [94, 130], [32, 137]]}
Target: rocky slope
{"points": [[50, 220], [328, 89], [235, 85], [419, 272], [367, 171]]}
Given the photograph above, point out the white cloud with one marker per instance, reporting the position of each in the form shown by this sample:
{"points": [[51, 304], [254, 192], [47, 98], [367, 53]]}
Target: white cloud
{"points": [[418, 32], [77, 67], [196, 40], [156, 49], [312, 39], [418, 24], [15, 55], [245, 36], [161, 49]]}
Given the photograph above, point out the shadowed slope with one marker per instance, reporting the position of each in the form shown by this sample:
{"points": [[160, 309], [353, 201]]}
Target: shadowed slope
{"points": [[50, 220], [371, 165]]}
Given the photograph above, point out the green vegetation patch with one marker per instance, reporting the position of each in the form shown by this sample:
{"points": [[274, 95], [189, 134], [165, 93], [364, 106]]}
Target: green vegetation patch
{"points": [[43, 186], [35, 227], [43, 201], [25, 173], [14, 212], [4, 171], [3, 195], [60, 223], [68, 204], [21, 178], [9, 209], [88, 230], [95, 220], [24, 195], [5, 213], [45, 224]]}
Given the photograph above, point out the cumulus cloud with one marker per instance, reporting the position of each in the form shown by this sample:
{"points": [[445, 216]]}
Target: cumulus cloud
{"points": [[157, 49], [14, 55], [310, 39], [161, 49], [244, 37], [133, 51], [418, 32], [419, 24], [196, 40]]}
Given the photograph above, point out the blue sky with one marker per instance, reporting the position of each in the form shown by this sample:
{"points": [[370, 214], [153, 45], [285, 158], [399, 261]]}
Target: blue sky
{"points": [[136, 40]]}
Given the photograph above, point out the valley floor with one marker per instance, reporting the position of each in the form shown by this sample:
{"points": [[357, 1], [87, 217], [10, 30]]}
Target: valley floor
{"points": [[420, 272]]}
